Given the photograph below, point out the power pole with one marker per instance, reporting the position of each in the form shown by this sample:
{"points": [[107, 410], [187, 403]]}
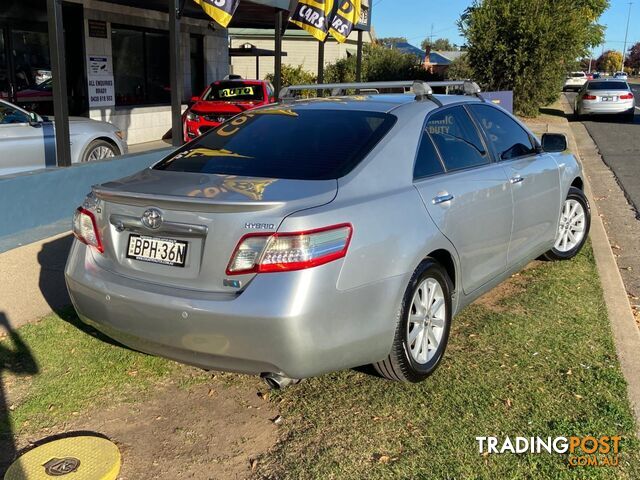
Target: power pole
{"points": [[624, 50]]}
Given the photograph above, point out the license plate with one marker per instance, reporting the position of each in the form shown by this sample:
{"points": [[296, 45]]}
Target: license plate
{"points": [[165, 251], [609, 99]]}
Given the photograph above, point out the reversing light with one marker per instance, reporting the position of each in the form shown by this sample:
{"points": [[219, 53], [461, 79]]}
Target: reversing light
{"points": [[281, 252], [85, 229]]}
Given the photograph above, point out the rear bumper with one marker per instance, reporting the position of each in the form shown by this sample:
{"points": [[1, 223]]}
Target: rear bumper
{"points": [[604, 108], [296, 323]]}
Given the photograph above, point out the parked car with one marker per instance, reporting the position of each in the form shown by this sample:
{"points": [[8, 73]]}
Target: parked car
{"points": [[28, 140], [574, 81], [606, 97], [223, 100], [621, 76], [316, 235]]}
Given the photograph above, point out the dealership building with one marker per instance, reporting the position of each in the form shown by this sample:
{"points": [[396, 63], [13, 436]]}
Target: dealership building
{"points": [[117, 55]]}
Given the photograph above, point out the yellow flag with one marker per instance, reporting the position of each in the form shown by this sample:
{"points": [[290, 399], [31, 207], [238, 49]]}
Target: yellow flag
{"points": [[346, 17], [313, 16], [220, 10]]}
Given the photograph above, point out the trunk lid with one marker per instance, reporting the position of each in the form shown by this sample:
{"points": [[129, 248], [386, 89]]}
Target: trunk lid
{"points": [[209, 212]]}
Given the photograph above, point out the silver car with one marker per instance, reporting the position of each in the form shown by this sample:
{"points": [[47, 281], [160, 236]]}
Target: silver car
{"points": [[317, 235], [31, 140], [606, 97]]}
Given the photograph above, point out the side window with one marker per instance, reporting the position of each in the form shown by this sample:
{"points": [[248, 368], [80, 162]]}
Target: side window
{"points": [[10, 115], [427, 162], [457, 139], [508, 139]]}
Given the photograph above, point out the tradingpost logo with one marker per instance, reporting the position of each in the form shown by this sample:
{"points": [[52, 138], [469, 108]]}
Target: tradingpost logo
{"points": [[581, 451]]}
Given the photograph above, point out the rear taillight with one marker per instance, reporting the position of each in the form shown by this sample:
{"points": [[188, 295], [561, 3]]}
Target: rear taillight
{"points": [[280, 252], [589, 97], [85, 228], [626, 96]]}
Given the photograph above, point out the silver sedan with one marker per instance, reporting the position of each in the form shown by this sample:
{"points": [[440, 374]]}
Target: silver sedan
{"points": [[27, 140], [316, 235], [606, 97]]}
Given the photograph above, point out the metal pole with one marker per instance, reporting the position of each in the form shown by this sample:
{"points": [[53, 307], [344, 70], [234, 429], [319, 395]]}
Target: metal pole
{"points": [[624, 49], [320, 66], [59, 75], [257, 67], [277, 80], [359, 58], [175, 72]]}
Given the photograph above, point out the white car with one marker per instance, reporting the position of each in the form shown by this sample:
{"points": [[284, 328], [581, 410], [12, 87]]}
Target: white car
{"points": [[610, 96], [621, 76], [575, 81], [28, 141]]}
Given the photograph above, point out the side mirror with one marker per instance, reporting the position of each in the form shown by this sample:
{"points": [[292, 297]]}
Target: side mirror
{"points": [[194, 99], [34, 119], [554, 142]]}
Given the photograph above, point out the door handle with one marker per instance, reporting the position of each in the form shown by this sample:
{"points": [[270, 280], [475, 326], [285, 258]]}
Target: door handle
{"points": [[446, 197], [516, 179]]}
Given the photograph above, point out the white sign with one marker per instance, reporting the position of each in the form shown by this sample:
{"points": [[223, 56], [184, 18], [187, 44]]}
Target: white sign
{"points": [[101, 91], [100, 81]]}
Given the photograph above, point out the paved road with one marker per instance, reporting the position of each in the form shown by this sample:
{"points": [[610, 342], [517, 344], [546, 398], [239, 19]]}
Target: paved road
{"points": [[619, 145]]}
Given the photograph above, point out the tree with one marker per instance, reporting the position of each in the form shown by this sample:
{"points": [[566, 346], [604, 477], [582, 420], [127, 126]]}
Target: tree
{"points": [[609, 61], [633, 57], [391, 41], [441, 45], [460, 69], [378, 64], [528, 45]]}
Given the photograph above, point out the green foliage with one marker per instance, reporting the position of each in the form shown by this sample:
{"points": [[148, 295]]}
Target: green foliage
{"points": [[294, 76], [378, 64], [441, 45], [610, 61], [528, 45], [460, 69]]}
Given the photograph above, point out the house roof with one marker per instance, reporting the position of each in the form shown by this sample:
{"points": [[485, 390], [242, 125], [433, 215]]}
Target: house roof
{"points": [[405, 47]]}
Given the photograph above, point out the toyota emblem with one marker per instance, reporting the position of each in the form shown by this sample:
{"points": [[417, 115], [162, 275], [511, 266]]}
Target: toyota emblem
{"points": [[152, 218]]}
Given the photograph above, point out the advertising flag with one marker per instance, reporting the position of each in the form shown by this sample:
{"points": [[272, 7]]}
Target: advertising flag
{"points": [[220, 10], [313, 16], [346, 17]]}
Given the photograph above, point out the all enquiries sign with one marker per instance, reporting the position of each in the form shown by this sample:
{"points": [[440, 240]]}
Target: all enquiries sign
{"points": [[100, 81]]}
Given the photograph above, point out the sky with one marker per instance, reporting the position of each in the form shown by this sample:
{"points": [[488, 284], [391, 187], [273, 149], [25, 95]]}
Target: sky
{"points": [[415, 20]]}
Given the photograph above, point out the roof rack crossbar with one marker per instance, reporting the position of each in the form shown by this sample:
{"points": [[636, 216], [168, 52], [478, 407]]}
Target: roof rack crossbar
{"points": [[420, 88]]}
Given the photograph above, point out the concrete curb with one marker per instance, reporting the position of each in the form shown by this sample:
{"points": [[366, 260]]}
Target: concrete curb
{"points": [[625, 331]]}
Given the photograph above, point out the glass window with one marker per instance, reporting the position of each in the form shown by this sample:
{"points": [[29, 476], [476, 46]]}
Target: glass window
{"points": [[4, 68], [140, 66], [234, 91], [457, 139], [9, 115], [277, 142], [508, 139], [427, 162], [607, 86]]}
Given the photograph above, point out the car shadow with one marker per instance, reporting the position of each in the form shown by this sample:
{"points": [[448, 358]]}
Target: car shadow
{"points": [[16, 359]]}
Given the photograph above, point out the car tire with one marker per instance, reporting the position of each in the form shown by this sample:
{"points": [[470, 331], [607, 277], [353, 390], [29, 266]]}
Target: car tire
{"points": [[407, 364], [99, 150], [573, 230], [628, 117]]}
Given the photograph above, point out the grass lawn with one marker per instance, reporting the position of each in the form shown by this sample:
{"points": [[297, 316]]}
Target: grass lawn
{"points": [[537, 361]]}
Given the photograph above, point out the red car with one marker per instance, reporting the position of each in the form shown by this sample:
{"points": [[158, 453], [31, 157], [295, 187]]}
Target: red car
{"points": [[223, 100]]}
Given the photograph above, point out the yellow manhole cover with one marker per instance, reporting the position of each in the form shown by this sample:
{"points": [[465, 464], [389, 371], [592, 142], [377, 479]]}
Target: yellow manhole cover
{"points": [[73, 458]]}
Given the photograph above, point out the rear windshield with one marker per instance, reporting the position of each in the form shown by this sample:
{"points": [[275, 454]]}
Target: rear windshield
{"points": [[578, 75], [284, 143], [607, 86], [233, 91]]}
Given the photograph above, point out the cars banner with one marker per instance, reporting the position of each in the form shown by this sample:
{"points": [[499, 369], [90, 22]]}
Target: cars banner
{"points": [[220, 10], [345, 18], [314, 17]]}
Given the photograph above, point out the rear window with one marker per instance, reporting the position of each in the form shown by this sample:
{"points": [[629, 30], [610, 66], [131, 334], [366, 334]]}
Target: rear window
{"points": [[578, 75], [234, 91], [284, 143], [607, 86]]}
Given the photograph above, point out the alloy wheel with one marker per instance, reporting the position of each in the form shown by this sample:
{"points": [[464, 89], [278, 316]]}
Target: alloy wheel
{"points": [[100, 153], [572, 226], [425, 327]]}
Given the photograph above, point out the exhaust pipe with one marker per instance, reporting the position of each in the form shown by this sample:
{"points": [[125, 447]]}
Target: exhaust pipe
{"points": [[278, 382]]}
